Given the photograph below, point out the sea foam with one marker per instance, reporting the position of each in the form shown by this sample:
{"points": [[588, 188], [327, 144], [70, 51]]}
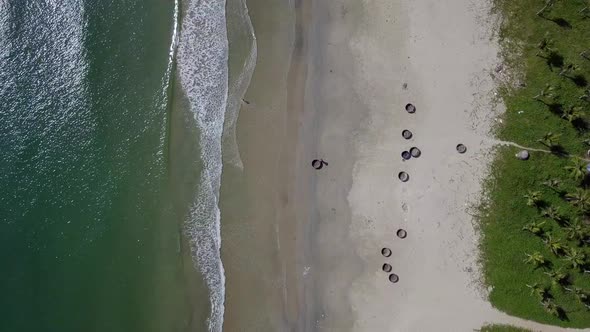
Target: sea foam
{"points": [[202, 59]]}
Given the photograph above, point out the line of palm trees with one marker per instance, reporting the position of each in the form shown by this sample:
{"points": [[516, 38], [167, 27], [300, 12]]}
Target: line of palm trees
{"points": [[567, 243], [569, 249], [548, 94]]}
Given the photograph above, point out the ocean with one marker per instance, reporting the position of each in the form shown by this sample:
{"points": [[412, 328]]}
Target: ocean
{"points": [[113, 119]]}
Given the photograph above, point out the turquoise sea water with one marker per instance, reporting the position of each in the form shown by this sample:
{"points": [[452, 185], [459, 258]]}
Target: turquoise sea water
{"points": [[111, 116]]}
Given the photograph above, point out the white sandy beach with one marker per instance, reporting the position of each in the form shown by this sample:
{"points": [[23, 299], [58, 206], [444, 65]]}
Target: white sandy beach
{"points": [[363, 53]]}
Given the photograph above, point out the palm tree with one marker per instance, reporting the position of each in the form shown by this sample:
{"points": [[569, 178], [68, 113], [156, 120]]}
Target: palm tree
{"points": [[555, 185], [552, 213], [548, 4], [577, 169], [580, 294], [557, 277], [533, 198], [534, 227], [568, 68], [550, 140], [551, 307], [536, 259], [575, 231], [575, 258], [572, 114], [556, 246], [580, 199], [538, 290], [545, 93], [545, 45]]}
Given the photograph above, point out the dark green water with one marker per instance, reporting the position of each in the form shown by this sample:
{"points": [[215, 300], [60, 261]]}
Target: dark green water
{"points": [[89, 236]]}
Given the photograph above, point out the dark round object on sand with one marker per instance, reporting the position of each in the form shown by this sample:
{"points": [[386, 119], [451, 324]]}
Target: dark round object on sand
{"points": [[386, 267], [393, 278], [403, 176], [461, 148], [317, 164], [410, 108], [386, 252], [401, 233], [406, 155], [407, 134], [415, 152]]}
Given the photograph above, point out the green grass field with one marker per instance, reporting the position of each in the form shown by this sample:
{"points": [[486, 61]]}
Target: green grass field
{"points": [[502, 328], [551, 79]]}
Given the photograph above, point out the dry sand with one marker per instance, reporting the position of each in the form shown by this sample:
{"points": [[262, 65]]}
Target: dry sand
{"points": [[362, 55]]}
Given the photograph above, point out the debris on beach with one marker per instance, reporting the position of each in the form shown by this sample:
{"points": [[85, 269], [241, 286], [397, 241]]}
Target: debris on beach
{"points": [[386, 252], [461, 148], [407, 134], [401, 233], [410, 108], [393, 278], [403, 176], [318, 163]]}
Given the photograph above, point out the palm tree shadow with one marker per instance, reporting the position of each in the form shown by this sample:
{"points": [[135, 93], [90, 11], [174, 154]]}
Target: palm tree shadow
{"points": [[561, 193], [579, 80], [581, 125], [562, 315], [547, 265], [553, 59], [558, 150], [564, 221], [541, 204], [563, 23], [555, 108], [585, 183]]}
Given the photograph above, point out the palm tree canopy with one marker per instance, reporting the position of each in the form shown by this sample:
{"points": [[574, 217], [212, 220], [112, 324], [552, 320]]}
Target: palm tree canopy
{"points": [[577, 169], [549, 139], [553, 183], [533, 197], [535, 258], [572, 113], [575, 231], [538, 289], [580, 199], [557, 277], [551, 307], [556, 246], [551, 213], [534, 227], [575, 257]]}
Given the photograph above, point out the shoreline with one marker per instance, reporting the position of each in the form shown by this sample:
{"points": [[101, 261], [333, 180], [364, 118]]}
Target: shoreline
{"points": [[254, 198]]}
